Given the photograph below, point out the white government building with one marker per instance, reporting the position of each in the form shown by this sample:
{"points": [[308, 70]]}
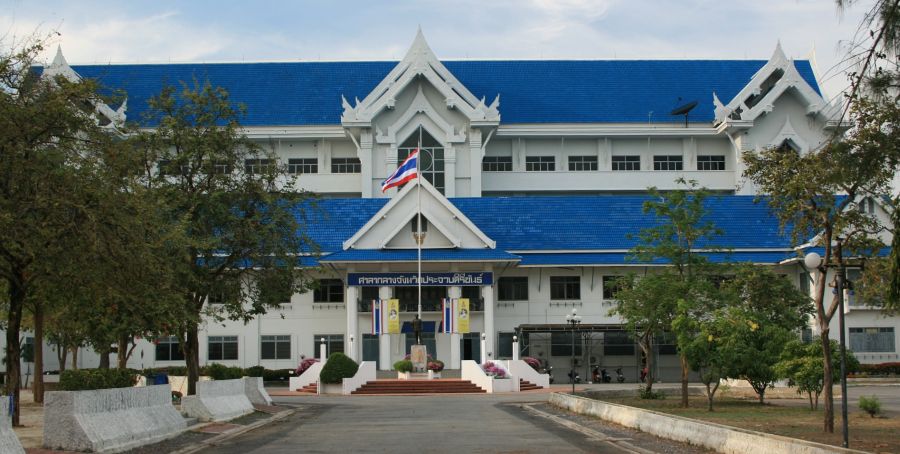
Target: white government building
{"points": [[536, 172]]}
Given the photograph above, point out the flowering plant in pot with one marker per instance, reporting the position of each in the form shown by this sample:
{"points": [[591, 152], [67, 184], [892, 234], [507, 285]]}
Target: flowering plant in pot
{"points": [[493, 370], [435, 365], [304, 364], [533, 362]]}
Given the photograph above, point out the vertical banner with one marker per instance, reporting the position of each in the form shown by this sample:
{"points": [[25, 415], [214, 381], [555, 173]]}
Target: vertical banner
{"points": [[377, 320], [393, 316], [462, 324], [447, 317]]}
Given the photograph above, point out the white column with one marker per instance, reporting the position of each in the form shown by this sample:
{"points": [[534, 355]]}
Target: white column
{"points": [[515, 348], [450, 171], [455, 360], [475, 158], [351, 295], [483, 348], [384, 340], [323, 352], [487, 292], [367, 164]]}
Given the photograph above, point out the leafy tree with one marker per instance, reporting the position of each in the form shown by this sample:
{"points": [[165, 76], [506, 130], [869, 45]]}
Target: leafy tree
{"points": [[242, 233], [700, 326], [801, 363]]}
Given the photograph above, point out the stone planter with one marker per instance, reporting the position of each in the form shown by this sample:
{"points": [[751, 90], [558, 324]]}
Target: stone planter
{"points": [[433, 375], [403, 375], [503, 385], [331, 388]]}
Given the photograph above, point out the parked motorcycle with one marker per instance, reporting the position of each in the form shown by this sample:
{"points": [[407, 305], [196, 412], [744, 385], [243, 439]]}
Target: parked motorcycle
{"points": [[605, 376], [577, 378], [619, 376], [549, 371], [595, 374]]}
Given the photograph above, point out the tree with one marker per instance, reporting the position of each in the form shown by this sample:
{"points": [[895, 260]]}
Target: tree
{"points": [[700, 326], [237, 207], [801, 363], [682, 226]]}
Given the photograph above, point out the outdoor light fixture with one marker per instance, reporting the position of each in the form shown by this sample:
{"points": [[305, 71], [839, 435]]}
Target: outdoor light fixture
{"points": [[573, 320]]}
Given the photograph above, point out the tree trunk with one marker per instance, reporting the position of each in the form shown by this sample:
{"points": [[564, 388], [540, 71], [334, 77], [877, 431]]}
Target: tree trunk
{"points": [[827, 381], [104, 358], [684, 381], [74, 358], [122, 354], [62, 354], [762, 396], [647, 348], [38, 386], [811, 407], [191, 349], [13, 326]]}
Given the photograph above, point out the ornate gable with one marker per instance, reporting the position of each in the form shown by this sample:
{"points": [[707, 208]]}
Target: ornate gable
{"points": [[106, 116]]}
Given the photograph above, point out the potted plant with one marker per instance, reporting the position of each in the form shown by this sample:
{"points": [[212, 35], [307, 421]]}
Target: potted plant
{"points": [[403, 367], [435, 366]]}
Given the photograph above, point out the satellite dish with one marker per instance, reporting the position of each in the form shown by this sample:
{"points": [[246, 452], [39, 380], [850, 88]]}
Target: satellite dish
{"points": [[684, 109]]}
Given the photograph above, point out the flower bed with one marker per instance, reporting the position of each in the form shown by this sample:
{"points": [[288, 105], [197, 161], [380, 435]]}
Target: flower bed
{"points": [[493, 370]]}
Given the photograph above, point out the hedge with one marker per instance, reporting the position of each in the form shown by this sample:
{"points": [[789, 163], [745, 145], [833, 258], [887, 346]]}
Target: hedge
{"points": [[881, 369], [86, 379], [222, 372], [338, 367]]}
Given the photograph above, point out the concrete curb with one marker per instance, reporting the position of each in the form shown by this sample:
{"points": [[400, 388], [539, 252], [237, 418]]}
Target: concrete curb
{"points": [[234, 433], [699, 433]]}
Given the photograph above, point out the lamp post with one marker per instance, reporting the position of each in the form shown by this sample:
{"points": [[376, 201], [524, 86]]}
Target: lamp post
{"points": [[814, 261], [573, 320]]}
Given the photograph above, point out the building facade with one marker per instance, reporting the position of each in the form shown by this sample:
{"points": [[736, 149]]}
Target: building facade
{"points": [[534, 177]]}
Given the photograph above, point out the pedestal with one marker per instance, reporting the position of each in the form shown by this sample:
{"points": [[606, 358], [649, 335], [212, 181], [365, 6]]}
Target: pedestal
{"points": [[418, 354]]}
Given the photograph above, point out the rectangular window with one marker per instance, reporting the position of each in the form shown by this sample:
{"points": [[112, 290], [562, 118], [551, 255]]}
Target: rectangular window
{"points": [[275, 347], [582, 163], [618, 343], [512, 289], [626, 163], [505, 345], [561, 344], [345, 165], [872, 340], [611, 286], [540, 163], [496, 164], [710, 162], [565, 288], [473, 293], [167, 349], [221, 348], [303, 165], [667, 162], [329, 291], [258, 166], [166, 167], [333, 343], [218, 167]]}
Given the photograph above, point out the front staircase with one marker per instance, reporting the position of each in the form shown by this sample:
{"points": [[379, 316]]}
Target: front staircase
{"points": [[312, 388], [436, 386], [525, 385]]}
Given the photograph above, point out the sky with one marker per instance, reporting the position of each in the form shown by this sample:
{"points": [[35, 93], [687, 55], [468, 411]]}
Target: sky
{"points": [[161, 31]]}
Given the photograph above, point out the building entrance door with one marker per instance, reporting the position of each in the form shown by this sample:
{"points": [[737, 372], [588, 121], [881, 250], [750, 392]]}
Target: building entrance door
{"points": [[470, 346], [370, 349]]}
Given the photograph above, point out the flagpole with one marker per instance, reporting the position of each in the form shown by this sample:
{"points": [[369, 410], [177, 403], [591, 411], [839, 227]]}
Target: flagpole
{"points": [[419, 221]]}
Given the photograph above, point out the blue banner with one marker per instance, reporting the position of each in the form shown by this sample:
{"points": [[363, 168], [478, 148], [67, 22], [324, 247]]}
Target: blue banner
{"points": [[428, 279]]}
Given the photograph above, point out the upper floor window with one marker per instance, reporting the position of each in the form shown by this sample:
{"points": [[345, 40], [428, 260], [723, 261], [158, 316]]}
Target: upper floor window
{"points": [[867, 205], [611, 286], [626, 163], [345, 165], [540, 163], [667, 162], [305, 165], [431, 157], [710, 162], [512, 288], [329, 291], [497, 164], [565, 288], [257, 166], [872, 340], [582, 163]]}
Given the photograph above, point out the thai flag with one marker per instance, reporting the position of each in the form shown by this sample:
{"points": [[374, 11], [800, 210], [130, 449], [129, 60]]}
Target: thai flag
{"points": [[377, 327], [406, 172], [447, 315]]}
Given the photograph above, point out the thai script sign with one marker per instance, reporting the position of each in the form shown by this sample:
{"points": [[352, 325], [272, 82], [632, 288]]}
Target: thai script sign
{"points": [[428, 279]]}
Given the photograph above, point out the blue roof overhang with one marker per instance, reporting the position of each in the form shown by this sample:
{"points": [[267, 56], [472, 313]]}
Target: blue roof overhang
{"points": [[428, 255], [625, 259]]}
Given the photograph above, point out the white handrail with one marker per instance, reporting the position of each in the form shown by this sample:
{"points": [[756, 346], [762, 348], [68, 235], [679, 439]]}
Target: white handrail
{"points": [[308, 377], [364, 374]]}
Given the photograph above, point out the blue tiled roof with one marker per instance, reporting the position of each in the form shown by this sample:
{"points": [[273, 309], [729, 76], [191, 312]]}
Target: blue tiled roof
{"points": [[543, 91], [618, 258], [553, 224], [428, 255]]}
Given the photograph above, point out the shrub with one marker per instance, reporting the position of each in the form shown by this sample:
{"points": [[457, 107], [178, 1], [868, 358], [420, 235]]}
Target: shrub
{"points": [[533, 362], [85, 379], [435, 365], [648, 393], [255, 371], [222, 372], [338, 367], [881, 369], [493, 370], [305, 364], [870, 405], [277, 375], [404, 365]]}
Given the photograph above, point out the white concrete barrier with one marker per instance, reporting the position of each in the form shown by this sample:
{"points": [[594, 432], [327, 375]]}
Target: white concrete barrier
{"points": [[217, 400], [255, 392], [521, 369], [9, 442], [308, 377], [109, 419], [472, 371], [704, 434], [364, 374]]}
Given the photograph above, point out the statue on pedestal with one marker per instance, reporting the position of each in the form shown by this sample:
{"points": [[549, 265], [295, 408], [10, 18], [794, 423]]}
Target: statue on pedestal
{"points": [[417, 329]]}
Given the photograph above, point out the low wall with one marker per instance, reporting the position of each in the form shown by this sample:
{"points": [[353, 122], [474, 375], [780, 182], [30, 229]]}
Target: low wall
{"points": [[520, 369], [255, 392], [217, 400], [109, 419], [364, 374], [9, 442], [308, 377], [704, 434]]}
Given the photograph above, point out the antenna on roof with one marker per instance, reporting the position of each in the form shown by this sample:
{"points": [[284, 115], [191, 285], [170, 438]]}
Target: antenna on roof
{"points": [[684, 109]]}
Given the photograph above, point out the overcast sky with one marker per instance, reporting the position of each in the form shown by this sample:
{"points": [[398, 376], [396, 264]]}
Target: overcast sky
{"points": [[93, 31]]}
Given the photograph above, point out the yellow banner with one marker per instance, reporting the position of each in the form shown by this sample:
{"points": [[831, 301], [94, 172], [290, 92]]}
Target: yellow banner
{"points": [[462, 317], [393, 317]]}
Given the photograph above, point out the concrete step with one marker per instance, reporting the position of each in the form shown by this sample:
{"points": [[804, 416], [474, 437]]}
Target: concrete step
{"points": [[525, 385], [438, 386]]}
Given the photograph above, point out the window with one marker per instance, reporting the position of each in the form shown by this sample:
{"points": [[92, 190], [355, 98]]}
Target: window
{"points": [[706, 162], [512, 289], [867, 206], [505, 345], [167, 168], [333, 343], [329, 291], [611, 286], [258, 166], [626, 163], [561, 344], [277, 292], [617, 343], [304, 165], [222, 348], [582, 163], [473, 293], [540, 163], [667, 162], [275, 347], [496, 164], [431, 156], [167, 349], [345, 165], [806, 335], [565, 288], [872, 340], [218, 167]]}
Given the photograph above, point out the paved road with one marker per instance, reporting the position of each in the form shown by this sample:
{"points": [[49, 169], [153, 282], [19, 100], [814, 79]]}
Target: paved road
{"points": [[452, 424]]}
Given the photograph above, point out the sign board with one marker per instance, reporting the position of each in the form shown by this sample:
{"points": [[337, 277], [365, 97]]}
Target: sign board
{"points": [[462, 279]]}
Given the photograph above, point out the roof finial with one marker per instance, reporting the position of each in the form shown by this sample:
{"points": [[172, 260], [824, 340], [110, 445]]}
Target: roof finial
{"points": [[59, 60], [779, 52]]}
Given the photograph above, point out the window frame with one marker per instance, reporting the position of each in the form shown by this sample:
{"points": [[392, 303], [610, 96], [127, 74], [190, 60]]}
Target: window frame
{"points": [[510, 288], [280, 342], [569, 285], [328, 286], [497, 164], [626, 163], [300, 166], [583, 163], [542, 163], [668, 163], [173, 349], [706, 162], [347, 165], [222, 341]]}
